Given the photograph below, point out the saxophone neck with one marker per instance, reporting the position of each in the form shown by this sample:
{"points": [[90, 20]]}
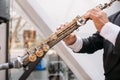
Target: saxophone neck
{"points": [[105, 5]]}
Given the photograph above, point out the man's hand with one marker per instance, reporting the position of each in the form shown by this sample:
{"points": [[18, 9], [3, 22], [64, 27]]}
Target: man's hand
{"points": [[70, 39], [98, 16]]}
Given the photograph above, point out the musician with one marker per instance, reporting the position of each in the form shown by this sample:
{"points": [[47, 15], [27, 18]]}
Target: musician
{"points": [[107, 38]]}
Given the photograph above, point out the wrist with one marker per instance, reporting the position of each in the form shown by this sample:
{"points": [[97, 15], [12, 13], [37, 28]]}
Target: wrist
{"points": [[100, 26], [77, 45]]}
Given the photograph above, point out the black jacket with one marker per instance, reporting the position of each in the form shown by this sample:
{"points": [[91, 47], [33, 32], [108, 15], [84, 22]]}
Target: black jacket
{"points": [[111, 56]]}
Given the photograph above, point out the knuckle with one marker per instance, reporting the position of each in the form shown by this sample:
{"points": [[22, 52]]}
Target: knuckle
{"points": [[102, 12], [105, 13], [99, 16], [94, 9]]}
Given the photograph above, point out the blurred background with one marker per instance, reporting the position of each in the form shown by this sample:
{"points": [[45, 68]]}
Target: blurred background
{"points": [[28, 22]]}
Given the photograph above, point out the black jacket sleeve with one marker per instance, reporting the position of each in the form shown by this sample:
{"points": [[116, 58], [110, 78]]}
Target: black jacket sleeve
{"points": [[92, 44]]}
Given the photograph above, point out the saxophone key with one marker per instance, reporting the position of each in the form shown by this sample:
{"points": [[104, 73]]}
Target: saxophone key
{"points": [[53, 37], [45, 47], [39, 53], [32, 57]]}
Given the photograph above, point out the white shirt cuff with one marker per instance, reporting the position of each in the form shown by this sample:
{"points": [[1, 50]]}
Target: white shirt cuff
{"points": [[110, 32], [77, 45]]}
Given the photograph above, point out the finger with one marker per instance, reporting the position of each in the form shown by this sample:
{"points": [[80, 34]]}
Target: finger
{"points": [[86, 15], [98, 8], [66, 23], [91, 14], [91, 11], [102, 13], [61, 26], [69, 36]]}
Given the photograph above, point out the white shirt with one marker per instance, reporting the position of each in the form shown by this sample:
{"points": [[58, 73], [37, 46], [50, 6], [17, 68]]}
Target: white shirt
{"points": [[109, 31]]}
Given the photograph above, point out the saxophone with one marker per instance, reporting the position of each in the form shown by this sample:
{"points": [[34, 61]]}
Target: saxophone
{"points": [[40, 50]]}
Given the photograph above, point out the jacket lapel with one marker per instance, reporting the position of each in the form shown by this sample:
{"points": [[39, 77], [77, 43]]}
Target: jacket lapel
{"points": [[111, 57]]}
